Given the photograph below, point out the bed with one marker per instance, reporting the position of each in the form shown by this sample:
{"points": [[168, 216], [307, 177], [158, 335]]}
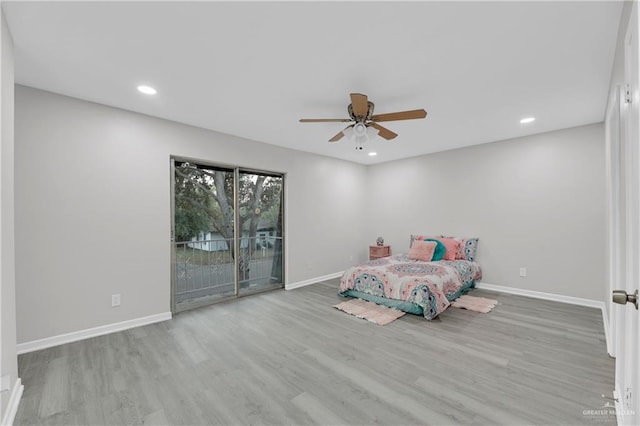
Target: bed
{"points": [[415, 286]]}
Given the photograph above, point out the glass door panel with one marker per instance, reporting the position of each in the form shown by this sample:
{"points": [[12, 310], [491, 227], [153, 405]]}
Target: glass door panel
{"points": [[203, 240], [260, 220]]}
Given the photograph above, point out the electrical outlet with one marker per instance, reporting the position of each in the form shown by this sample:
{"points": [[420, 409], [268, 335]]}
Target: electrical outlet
{"points": [[523, 272], [351, 258], [115, 300]]}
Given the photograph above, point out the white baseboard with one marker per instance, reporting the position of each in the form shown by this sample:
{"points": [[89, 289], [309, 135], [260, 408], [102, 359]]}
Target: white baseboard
{"points": [[14, 401], [541, 295], [313, 281], [36, 345]]}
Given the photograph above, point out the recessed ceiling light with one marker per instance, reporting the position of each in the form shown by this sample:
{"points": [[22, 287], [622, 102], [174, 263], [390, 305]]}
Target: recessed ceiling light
{"points": [[147, 90], [373, 154], [527, 120]]}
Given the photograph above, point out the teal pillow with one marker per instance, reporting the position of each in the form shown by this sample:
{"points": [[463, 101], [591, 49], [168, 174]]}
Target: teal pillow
{"points": [[438, 254]]}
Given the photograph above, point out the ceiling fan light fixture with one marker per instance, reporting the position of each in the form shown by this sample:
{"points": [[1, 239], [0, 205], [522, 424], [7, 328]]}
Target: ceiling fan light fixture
{"points": [[360, 130], [360, 140], [360, 133]]}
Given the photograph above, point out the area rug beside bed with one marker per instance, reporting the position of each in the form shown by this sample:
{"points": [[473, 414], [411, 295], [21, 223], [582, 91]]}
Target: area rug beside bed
{"points": [[476, 304], [376, 314]]}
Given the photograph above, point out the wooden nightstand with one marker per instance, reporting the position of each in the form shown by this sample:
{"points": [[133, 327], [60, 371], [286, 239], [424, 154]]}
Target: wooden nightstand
{"points": [[376, 252]]}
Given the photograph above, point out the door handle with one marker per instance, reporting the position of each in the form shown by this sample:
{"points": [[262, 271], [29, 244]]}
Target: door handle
{"points": [[622, 297]]}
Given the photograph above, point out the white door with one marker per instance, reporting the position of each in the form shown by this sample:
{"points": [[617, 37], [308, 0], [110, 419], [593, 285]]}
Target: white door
{"points": [[626, 318], [615, 221]]}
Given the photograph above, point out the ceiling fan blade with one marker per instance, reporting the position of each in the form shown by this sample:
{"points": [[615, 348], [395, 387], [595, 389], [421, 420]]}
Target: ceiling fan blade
{"points": [[383, 131], [401, 115], [325, 120], [337, 137], [340, 135], [360, 104]]}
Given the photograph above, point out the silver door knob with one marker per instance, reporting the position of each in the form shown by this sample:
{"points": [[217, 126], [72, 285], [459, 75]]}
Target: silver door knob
{"points": [[622, 297]]}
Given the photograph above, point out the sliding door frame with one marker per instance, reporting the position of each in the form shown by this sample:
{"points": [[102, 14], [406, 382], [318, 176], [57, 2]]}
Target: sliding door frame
{"points": [[237, 237], [172, 234], [236, 222]]}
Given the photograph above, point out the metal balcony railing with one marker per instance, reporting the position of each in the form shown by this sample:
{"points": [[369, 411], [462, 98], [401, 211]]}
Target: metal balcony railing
{"points": [[206, 268]]}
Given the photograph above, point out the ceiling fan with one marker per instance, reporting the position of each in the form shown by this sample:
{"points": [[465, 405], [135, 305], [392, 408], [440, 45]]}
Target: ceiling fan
{"points": [[361, 112]]}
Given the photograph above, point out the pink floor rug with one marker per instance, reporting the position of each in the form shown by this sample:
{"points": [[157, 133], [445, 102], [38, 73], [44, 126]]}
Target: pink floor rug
{"points": [[476, 304], [377, 314]]}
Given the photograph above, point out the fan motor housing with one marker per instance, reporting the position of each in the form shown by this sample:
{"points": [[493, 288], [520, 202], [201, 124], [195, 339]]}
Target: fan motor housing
{"points": [[367, 117]]}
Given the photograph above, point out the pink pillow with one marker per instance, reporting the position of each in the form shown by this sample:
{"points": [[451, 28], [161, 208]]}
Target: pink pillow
{"points": [[452, 247], [422, 250]]}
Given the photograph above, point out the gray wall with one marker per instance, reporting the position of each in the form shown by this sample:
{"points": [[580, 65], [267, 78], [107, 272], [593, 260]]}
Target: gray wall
{"points": [[536, 202], [8, 358], [93, 210]]}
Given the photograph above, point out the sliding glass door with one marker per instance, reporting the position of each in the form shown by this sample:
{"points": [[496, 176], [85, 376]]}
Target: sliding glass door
{"points": [[227, 233], [260, 219]]}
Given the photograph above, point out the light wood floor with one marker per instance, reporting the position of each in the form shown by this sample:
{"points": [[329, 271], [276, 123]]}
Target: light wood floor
{"points": [[289, 357]]}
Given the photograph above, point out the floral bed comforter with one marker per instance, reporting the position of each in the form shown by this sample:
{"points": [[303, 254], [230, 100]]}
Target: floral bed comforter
{"points": [[425, 286]]}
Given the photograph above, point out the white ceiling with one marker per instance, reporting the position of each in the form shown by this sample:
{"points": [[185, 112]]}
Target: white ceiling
{"points": [[253, 69]]}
